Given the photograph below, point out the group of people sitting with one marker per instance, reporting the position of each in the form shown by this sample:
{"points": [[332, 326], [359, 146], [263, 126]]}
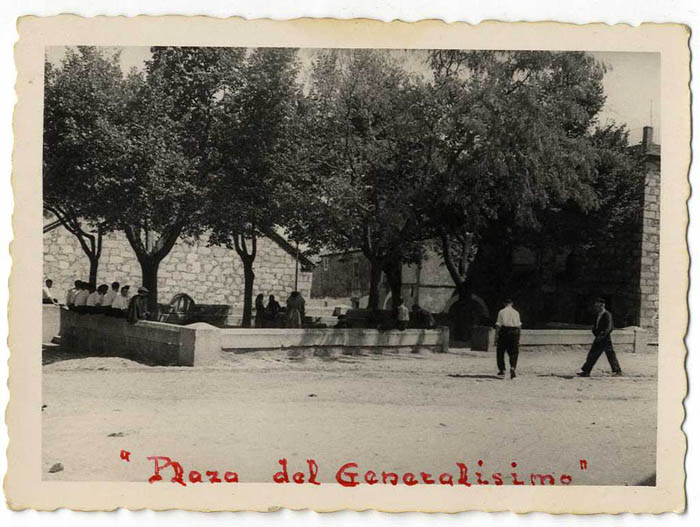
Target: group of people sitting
{"points": [[114, 301], [274, 315], [84, 297]]}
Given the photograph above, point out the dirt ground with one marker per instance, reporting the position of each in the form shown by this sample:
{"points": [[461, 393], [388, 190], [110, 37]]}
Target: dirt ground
{"points": [[402, 413]]}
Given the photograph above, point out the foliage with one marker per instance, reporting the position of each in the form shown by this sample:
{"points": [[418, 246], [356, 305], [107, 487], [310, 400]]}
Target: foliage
{"points": [[82, 98], [253, 135], [356, 185], [506, 137]]}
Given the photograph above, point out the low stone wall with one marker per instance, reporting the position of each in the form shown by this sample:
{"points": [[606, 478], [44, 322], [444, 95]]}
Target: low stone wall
{"points": [[198, 344], [324, 341], [154, 343], [628, 339], [50, 322]]}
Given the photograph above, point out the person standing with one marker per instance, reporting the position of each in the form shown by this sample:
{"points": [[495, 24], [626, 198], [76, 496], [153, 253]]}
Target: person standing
{"points": [[402, 315], [260, 311], [508, 326], [602, 329], [271, 311], [295, 310]]}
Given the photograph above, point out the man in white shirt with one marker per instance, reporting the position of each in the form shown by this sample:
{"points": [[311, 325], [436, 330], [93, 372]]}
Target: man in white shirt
{"points": [[507, 338], [121, 302], [48, 293], [96, 299], [70, 295], [93, 298], [111, 294], [81, 296]]}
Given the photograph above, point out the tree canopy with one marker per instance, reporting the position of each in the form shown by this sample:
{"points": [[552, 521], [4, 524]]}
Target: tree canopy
{"points": [[481, 151], [507, 135], [83, 98], [359, 186]]}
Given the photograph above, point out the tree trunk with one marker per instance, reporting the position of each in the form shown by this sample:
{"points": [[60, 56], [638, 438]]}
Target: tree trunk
{"points": [[247, 256], [375, 278], [393, 276], [150, 254], [249, 280], [94, 262], [149, 280]]}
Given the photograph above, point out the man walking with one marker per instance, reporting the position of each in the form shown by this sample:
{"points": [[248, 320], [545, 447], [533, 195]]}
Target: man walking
{"points": [[507, 338], [602, 328]]}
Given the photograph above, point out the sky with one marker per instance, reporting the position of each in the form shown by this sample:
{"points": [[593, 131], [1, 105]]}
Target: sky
{"points": [[632, 83]]}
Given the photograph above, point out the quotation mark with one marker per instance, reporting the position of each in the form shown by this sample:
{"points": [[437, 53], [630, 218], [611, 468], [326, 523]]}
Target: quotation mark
{"points": [[583, 464]]}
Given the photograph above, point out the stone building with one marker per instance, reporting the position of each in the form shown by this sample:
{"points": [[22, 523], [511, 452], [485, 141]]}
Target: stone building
{"points": [[210, 275], [344, 278]]}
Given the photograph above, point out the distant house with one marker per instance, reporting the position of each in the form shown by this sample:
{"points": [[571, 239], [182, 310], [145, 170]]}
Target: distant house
{"points": [[344, 278], [210, 275]]}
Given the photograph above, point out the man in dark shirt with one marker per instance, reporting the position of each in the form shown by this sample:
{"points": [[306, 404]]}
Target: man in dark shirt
{"points": [[602, 328], [138, 307]]}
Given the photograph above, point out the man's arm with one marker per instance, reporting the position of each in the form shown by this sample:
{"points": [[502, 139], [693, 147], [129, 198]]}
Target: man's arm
{"points": [[605, 327]]}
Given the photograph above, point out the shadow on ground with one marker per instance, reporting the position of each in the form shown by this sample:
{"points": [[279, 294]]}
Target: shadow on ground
{"points": [[474, 376], [52, 353]]}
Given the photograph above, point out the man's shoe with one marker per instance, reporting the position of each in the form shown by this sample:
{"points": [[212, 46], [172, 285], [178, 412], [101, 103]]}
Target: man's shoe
{"points": [[501, 374], [583, 374], [617, 374], [512, 373]]}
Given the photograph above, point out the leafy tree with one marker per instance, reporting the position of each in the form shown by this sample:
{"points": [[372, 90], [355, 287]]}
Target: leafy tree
{"points": [[82, 100], [357, 181], [164, 151], [254, 131], [507, 136]]}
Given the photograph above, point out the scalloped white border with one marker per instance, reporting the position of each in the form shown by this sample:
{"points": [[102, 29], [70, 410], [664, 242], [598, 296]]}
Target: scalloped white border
{"points": [[614, 11]]}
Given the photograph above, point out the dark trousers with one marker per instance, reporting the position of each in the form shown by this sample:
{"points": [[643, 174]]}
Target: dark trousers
{"points": [[597, 349], [508, 342]]}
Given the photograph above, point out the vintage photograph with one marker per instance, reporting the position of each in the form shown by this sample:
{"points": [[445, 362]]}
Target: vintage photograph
{"points": [[365, 267], [412, 260]]}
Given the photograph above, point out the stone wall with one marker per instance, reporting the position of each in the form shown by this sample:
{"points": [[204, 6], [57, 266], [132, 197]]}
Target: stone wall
{"points": [[153, 343], [631, 340], [210, 275], [649, 275]]}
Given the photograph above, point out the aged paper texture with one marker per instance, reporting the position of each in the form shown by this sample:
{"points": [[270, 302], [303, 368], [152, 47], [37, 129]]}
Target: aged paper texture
{"points": [[424, 426]]}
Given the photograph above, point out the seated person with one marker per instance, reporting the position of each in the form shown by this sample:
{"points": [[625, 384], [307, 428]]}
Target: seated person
{"points": [[94, 300], [48, 294], [138, 307], [120, 303], [422, 318], [80, 299], [110, 295]]}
